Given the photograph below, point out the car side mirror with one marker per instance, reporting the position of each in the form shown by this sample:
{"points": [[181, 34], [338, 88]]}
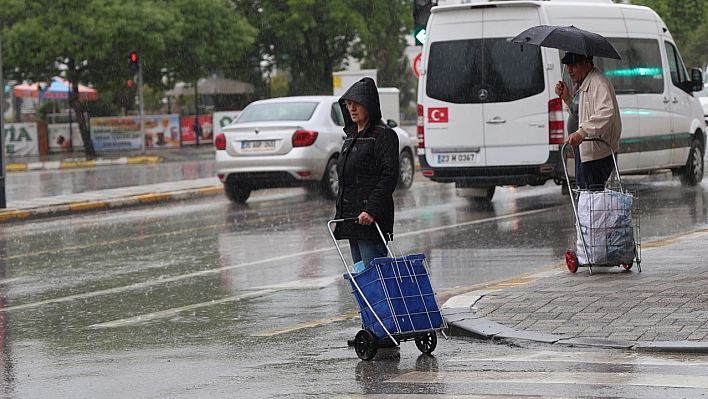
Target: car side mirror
{"points": [[391, 123], [696, 79]]}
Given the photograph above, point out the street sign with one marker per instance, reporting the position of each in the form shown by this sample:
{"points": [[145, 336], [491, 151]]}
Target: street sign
{"points": [[416, 64]]}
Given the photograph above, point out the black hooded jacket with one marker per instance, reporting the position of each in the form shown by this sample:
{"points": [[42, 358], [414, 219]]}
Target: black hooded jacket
{"points": [[367, 168]]}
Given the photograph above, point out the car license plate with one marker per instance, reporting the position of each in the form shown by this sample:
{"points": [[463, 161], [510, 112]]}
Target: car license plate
{"points": [[258, 145], [456, 158]]}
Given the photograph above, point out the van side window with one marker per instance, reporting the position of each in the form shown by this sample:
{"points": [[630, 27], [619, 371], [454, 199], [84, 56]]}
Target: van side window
{"points": [[679, 76], [483, 71], [639, 72]]}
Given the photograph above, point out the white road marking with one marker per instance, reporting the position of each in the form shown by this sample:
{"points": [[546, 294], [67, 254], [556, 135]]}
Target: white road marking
{"points": [[627, 358], [167, 312], [200, 273], [550, 377]]}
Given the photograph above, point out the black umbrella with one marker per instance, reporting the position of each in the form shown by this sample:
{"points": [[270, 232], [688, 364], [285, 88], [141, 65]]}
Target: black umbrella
{"points": [[568, 38]]}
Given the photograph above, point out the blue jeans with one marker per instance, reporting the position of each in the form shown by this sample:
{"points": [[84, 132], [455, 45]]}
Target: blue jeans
{"points": [[367, 250]]}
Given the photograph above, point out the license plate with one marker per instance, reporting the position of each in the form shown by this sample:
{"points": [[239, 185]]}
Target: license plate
{"points": [[456, 158], [258, 145]]}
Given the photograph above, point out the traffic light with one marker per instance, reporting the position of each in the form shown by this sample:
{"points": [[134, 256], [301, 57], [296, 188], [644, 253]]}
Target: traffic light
{"points": [[421, 13], [133, 61]]}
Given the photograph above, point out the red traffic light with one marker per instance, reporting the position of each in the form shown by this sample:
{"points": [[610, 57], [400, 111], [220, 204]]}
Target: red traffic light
{"points": [[133, 61], [130, 83]]}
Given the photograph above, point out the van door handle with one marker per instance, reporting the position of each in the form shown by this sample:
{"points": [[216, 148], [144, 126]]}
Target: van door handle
{"points": [[674, 100], [496, 120], [666, 100]]}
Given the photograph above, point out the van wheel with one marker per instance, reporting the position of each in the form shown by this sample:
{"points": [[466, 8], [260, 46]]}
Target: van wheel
{"points": [[236, 192], [692, 173], [406, 171], [329, 186]]}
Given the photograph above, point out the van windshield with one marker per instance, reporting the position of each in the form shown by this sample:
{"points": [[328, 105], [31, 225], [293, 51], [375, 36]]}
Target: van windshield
{"points": [[483, 71]]}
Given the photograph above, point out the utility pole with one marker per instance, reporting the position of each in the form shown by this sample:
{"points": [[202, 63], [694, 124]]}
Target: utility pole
{"points": [[135, 64], [3, 203], [142, 107]]}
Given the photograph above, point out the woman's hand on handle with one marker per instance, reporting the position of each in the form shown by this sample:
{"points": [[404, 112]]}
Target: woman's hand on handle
{"points": [[365, 219]]}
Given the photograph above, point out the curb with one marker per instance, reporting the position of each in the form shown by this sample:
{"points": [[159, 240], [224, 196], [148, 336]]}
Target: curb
{"points": [[464, 322], [82, 163], [71, 208]]}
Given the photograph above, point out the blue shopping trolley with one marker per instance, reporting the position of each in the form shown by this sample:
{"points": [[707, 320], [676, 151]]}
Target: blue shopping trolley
{"points": [[396, 301]]}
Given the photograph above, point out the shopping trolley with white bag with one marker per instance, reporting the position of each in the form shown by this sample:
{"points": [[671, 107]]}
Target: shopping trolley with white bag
{"points": [[396, 301], [606, 223]]}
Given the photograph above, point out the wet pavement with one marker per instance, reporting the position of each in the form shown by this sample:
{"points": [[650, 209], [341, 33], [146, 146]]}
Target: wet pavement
{"points": [[663, 308]]}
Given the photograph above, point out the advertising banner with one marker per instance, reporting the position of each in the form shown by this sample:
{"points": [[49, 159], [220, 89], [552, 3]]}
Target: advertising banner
{"points": [[223, 118], [123, 133], [58, 137], [187, 125], [21, 139]]}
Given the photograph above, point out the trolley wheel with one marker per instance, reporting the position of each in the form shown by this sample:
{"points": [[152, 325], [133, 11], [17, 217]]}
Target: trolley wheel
{"points": [[627, 266], [365, 345], [427, 343], [571, 261]]}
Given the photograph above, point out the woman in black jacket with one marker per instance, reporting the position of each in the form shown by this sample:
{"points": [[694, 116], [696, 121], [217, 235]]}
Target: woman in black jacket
{"points": [[368, 173]]}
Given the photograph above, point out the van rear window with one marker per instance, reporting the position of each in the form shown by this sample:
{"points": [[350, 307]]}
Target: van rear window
{"points": [[483, 71]]}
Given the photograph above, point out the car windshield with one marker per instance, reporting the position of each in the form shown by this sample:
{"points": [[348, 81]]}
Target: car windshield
{"points": [[293, 111]]}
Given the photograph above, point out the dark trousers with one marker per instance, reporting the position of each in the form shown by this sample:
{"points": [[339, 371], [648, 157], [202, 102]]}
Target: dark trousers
{"points": [[592, 175]]}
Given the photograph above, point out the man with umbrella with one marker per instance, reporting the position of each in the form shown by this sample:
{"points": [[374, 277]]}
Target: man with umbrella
{"points": [[593, 113]]}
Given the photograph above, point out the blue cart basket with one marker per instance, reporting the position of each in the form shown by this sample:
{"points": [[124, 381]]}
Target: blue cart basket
{"points": [[396, 301]]}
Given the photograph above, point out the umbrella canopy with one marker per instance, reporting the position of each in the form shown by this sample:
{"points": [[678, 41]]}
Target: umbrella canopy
{"points": [[213, 85], [568, 38], [57, 90]]}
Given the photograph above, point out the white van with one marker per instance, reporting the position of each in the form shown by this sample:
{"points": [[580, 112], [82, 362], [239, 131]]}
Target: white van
{"points": [[488, 115]]}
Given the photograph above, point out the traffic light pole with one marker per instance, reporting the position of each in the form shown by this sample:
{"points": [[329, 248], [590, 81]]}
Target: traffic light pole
{"points": [[3, 203], [142, 107]]}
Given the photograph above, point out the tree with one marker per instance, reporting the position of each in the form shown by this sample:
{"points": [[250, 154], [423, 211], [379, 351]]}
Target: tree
{"points": [[684, 18], [90, 41], [308, 38], [383, 43]]}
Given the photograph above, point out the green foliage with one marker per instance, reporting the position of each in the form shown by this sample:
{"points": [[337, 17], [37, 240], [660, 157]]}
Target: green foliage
{"points": [[308, 38], [383, 45], [91, 40], [685, 20]]}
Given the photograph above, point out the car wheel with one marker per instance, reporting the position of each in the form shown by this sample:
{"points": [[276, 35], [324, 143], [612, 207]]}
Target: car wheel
{"points": [[330, 182], [406, 171], [692, 173], [236, 192]]}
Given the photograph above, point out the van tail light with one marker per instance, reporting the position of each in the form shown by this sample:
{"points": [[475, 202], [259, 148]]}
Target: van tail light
{"points": [[421, 129], [556, 125], [220, 142], [304, 138]]}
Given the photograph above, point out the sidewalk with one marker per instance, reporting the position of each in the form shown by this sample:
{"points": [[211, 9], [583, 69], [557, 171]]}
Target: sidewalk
{"points": [[37, 208], [663, 308]]}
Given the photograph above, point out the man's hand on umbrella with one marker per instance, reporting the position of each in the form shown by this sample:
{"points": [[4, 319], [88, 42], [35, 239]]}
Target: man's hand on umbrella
{"points": [[562, 91], [575, 139]]}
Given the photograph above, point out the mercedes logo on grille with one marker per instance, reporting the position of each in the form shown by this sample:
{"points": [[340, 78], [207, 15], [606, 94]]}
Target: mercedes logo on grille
{"points": [[483, 94], [256, 130]]}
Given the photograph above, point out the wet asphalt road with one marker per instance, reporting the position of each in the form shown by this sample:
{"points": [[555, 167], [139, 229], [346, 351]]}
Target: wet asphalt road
{"points": [[211, 299]]}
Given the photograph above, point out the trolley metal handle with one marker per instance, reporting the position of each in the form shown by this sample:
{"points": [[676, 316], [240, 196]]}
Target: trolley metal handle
{"points": [[361, 293], [341, 255]]}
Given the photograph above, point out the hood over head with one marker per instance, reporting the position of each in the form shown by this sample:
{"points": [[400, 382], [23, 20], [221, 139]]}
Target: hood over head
{"points": [[365, 93]]}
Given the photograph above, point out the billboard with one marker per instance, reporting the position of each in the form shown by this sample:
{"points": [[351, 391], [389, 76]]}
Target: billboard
{"points": [[123, 133]]}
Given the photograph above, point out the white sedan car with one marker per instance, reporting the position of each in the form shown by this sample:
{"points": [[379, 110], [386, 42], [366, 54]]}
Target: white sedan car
{"points": [[290, 142]]}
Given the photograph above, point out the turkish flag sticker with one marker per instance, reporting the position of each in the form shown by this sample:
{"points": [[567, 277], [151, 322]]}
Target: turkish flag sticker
{"points": [[437, 115]]}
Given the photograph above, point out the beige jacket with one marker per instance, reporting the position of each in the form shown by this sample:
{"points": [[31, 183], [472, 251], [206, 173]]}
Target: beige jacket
{"points": [[598, 116]]}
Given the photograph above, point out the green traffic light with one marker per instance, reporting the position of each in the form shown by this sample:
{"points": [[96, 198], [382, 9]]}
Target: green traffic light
{"points": [[420, 35]]}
